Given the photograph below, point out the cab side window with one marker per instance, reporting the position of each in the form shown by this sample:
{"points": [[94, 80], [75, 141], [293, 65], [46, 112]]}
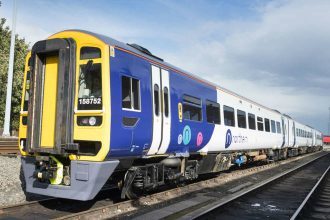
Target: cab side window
{"points": [[130, 93]]}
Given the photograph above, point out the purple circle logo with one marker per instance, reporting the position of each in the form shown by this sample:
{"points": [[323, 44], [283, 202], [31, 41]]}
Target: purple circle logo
{"points": [[199, 139], [228, 138]]}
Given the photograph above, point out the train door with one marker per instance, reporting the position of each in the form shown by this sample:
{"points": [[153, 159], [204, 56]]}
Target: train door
{"points": [[291, 136], [166, 113], [157, 117], [294, 133], [49, 102], [286, 130], [283, 132], [50, 119], [161, 111]]}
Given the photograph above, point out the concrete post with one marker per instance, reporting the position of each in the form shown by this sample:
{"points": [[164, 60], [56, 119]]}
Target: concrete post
{"points": [[6, 131]]}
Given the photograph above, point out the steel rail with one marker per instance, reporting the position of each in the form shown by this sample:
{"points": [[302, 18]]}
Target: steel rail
{"points": [[295, 215]]}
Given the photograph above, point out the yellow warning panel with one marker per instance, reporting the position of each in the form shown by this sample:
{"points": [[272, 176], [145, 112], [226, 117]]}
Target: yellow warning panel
{"points": [[180, 111], [49, 102]]}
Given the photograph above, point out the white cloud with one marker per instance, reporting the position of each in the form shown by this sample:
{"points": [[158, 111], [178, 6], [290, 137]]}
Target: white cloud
{"points": [[280, 60]]}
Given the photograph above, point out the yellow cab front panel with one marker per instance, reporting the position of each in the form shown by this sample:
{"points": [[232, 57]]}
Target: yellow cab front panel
{"points": [[65, 116], [45, 123]]}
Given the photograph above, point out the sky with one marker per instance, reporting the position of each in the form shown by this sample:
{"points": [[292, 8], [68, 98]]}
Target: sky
{"points": [[276, 53]]}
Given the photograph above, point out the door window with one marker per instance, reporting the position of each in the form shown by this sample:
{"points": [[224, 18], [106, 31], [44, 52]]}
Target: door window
{"points": [[166, 97], [156, 99]]}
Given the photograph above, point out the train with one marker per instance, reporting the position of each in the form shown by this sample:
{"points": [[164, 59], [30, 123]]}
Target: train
{"points": [[96, 111]]}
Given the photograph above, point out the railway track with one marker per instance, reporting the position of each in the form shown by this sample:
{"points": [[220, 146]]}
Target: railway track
{"points": [[316, 205], [9, 146], [108, 204], [280, 197]]}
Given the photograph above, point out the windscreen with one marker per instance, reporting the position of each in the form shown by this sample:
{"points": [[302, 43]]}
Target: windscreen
{"points": [[90, 87]]}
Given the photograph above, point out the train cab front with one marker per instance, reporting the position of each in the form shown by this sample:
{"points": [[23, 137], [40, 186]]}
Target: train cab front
{"points": [[65, 117]]}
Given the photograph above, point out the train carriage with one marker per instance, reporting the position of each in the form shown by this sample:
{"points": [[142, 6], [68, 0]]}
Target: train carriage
{"points": [[97, 111]]}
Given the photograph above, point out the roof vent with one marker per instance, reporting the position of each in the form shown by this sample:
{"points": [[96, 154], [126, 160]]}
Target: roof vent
{"points": [[144, 50]]}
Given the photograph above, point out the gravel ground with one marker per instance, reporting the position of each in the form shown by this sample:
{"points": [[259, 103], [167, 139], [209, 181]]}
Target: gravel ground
{"points": [[11, 191]]}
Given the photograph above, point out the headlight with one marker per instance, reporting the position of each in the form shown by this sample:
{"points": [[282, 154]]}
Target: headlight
{"points": [[89, 120], [92, 121]]}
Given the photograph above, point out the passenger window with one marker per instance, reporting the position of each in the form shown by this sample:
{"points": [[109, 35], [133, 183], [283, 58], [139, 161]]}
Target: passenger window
{"points": [[273, 126], [130, 93], [229, 116], [166, 101], [156, 99], [90, 86], [278, 127], [252, 121], [212, 112], [267, 125], [241, 119], [192, 108], [87, 53], [260, 124]]}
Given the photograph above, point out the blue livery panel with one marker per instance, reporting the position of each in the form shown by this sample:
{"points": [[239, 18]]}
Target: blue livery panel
{"points": [[133, 141], [189, 136], [129, 141]]}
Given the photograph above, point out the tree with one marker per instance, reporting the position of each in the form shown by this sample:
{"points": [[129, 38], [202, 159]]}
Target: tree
{"points": [[21, 50]]}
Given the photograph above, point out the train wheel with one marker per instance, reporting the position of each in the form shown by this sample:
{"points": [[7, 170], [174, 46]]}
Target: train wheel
{"points": [[130, 194]]}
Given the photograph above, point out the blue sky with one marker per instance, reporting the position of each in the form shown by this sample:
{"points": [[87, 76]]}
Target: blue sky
{"points": [[274, 52]]}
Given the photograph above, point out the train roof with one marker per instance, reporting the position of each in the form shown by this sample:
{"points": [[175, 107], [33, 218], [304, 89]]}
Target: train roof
{"points": [[146, 53]]}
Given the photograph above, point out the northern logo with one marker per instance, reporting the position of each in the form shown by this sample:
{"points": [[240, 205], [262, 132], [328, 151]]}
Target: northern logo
{"points": [[228, 138]]}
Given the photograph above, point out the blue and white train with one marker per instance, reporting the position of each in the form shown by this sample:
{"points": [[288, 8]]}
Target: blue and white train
{"points": [[97, 111]]}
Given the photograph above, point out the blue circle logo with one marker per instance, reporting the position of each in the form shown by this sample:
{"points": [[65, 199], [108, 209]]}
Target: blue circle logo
{"points": [[228, 138], [186, 135], [180, 139]]}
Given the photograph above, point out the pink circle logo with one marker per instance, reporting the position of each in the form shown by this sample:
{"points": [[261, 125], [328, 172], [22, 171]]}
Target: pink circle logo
{"points": [[199, 139]]}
